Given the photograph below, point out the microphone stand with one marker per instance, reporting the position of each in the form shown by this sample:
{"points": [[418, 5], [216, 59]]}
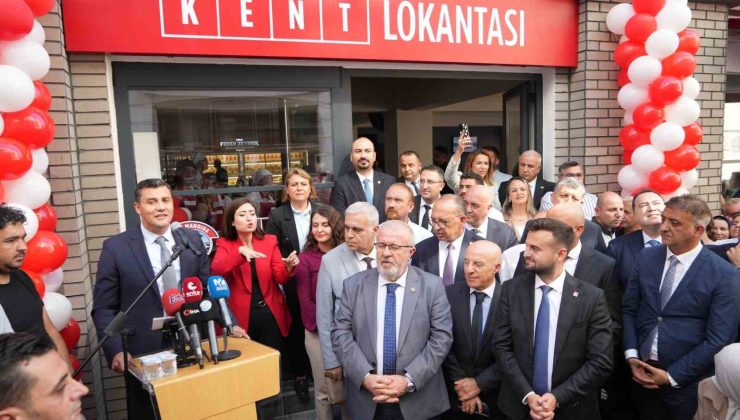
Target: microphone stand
{"points": [[118, 327]]}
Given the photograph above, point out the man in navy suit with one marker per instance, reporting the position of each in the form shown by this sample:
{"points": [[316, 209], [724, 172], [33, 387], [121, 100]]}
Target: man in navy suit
{"points": [[647, 207], [443, 254], [364, 183], [681, 307], [530, 166]]}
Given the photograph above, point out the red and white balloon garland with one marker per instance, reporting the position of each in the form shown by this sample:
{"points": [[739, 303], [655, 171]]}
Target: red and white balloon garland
{"points": [[656, 55], [26, 128]]}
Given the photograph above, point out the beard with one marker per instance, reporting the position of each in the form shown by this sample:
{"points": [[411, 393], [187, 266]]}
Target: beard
{"points": [[539, 269], [391, 273]]}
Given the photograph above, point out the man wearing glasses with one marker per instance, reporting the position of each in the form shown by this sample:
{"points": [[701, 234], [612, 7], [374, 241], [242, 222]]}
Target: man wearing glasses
{"points": [[393, 331], [572, 169], [442, 254], [431, 181]]}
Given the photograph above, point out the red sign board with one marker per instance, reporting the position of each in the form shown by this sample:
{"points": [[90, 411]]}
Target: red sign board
{"points": [[519, 32]]}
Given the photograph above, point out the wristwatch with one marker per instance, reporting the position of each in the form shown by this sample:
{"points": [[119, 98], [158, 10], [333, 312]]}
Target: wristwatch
{"points": [[410, 387]]}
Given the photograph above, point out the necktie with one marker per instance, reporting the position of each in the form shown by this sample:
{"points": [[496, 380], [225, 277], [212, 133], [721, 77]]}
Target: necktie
{"points": [[368, 262], [541, 345], [389, 330], [169, 278], [425, 219], [449, 272], [476, 232], [477, 326], [653, 243], [665, 295], [416, 188], [368, 190]]}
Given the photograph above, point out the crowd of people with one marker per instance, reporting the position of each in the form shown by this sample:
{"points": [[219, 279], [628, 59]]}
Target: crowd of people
{"points": [[440, 294]]}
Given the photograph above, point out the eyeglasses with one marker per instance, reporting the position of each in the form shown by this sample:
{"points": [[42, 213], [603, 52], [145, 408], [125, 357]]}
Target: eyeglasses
{"points": [[440, 222], [428, 181], [393, 247]]}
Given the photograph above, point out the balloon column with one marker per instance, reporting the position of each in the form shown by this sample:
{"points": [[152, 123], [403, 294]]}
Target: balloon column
{"points": [[656, 55], [26, 128]]}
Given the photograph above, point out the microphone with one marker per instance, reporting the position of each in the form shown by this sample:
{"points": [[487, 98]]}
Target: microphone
{"points": [[193, 291], [219, 290], [177, 228], [172, 301], [210, 314]]}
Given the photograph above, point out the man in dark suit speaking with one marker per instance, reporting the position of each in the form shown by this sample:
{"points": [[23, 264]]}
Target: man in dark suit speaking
{"points": [[552, 334]]}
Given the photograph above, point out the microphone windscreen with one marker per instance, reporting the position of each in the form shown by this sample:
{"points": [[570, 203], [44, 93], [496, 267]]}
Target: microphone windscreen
{"points": [[218, 288], [191, 313], [172, 300], [192, 289]]}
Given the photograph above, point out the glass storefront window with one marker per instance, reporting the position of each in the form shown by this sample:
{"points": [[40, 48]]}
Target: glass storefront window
{"points": [[214, 146]]}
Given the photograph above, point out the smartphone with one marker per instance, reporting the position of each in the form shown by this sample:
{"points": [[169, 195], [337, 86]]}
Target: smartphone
{"points": [[465, 134]]}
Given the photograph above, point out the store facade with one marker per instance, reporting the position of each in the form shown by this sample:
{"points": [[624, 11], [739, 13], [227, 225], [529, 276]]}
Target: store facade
{"points": [[145, 89]]}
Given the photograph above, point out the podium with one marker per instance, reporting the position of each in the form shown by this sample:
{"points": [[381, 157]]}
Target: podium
{"points": [[227, 391]]}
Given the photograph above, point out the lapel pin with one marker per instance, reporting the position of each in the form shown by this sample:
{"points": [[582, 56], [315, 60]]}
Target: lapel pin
{"points": [[413, 289], [576, 293]]}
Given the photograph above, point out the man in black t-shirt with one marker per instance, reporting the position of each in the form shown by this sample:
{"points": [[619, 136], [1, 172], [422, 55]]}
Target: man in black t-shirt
{"points": [[18, 296]]}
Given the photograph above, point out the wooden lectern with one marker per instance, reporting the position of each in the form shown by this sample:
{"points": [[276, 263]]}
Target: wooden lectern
{"points": [[227, 391]]}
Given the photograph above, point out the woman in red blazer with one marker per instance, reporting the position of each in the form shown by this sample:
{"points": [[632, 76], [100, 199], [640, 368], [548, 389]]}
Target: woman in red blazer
{"points": [[251, 263]]}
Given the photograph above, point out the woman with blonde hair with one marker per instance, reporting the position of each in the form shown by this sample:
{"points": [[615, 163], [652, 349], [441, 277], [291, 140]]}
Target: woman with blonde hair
{"points": [[478, 162], [518, 207]]}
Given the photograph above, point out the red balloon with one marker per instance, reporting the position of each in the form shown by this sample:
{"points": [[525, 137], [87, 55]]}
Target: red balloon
{"points": [[694, 133], [47, 217], [71, 334], [31, 125], [680, 64], [646, 116], [38, 283], [631, 138], [16, 20], [15, 158], [2, 194], [180, 215], [664, 180], [689, 41], [683, 158], [46, 252], [665, 90], [627, 157], [651, 7], [627, 52], [75, 362], [640, 26], [622, 77], [42, 100], [40, 7]]}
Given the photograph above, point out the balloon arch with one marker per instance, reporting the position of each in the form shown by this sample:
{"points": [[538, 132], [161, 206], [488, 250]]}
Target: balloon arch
{"points": [[26, 128], [656, 55]]}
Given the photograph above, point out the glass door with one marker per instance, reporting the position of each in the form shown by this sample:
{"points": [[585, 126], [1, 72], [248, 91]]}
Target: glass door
{"points": [[520, 124]]}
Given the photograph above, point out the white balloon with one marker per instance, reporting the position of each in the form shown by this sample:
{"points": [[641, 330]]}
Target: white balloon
{"points": [[37, 34], [676, 193], [647, 158], [16, 89], [31, 225], [631, 95], [691, 87], [628, 118], [32, 190], [27, 55], [674, 16], [689, 178], [626, 195], [677, 2], [630, 179], [644, 70], [667, 136], [618, 17], [661, 43], [682, 112], [40, 160], [53, 280], [59, 309], [2, 125]]}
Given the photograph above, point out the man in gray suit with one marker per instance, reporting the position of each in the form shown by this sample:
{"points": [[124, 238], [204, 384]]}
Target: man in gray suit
{"points": [[357, 253], [477, 205], [392, 333]]}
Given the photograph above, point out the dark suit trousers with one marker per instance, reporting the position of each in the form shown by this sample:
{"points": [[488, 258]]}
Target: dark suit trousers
{"points": [[666, 403], [388, 412], [295, 345]]}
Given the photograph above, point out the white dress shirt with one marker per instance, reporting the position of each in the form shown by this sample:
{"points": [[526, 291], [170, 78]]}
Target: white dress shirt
{"points": [[372, 254], [5, 326], [411, 185], [532, 187], [362, 182], [419, 232], [509, 261], [482, 229], [302, 224], [425, 213], [646, 239], [456, 245], [380, 315], [554, 297], [571, 261], [154, 251], [486, 302]]}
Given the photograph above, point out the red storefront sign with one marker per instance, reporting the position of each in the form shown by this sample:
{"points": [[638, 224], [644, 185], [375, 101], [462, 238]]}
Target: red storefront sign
{"points": [[520, 32]]}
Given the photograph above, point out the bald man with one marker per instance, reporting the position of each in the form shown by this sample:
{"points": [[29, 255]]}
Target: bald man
{"points": [[530, 168], [609, 214], [472, 377], [478, 206], [363, 183]]}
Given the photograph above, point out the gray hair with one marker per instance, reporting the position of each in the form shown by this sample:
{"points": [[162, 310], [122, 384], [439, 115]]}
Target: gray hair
{"points": [[532, 153], [571, 184], [397, 225], [692, 205], [365, 209]]}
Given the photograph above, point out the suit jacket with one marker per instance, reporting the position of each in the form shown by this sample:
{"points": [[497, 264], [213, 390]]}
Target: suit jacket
{"points": [[124, 270], [540, 188], [700, 318], [625, 250], [337, 265], [416, 211], [591, 236], [282, 224], [721, 250], [583, 347], [237, 271], [426, 256], [348, 190], [424, 339], [501, 234], [462, 361]]}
